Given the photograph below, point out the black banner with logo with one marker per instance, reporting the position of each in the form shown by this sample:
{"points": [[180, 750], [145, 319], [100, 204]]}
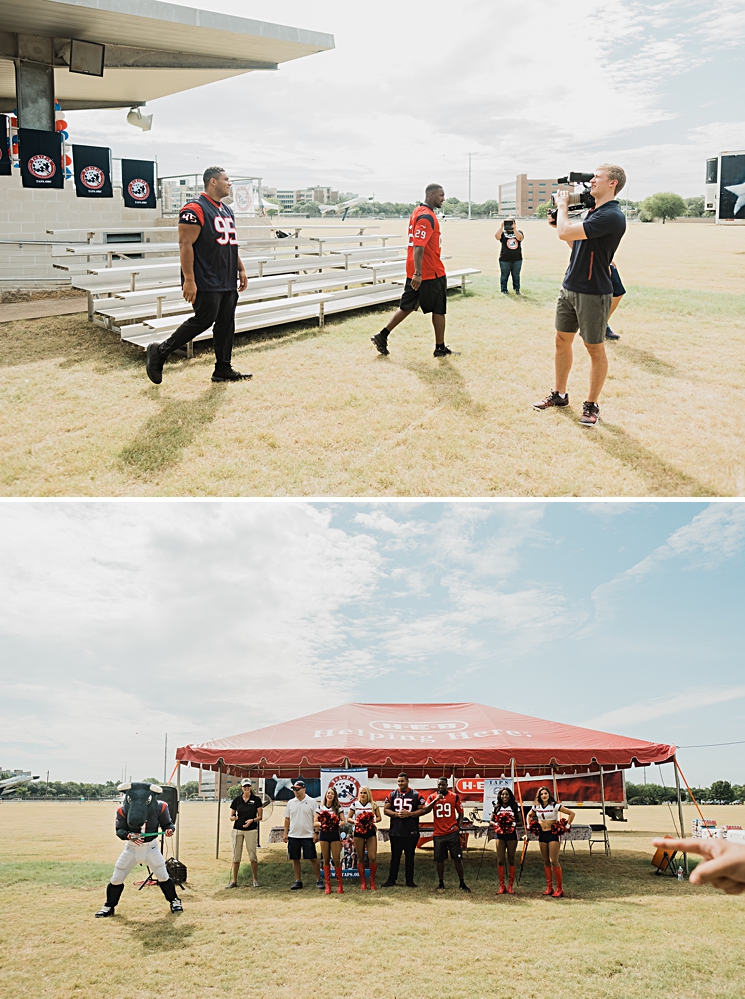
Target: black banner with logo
{"points": [[732, 187], [40, 156], [138, 183], [5, 170], [91, 168]]}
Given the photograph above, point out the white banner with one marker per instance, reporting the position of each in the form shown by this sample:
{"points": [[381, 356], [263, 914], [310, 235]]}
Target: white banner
{"points": [[347, 784], [492, 787]]}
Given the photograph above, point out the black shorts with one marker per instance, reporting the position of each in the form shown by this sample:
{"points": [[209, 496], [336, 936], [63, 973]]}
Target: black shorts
{"points": [[329, 837], [618, 288], [507, 837], [546, 836], [373, 834], [445, 845], [431, 297], [297, 847]]}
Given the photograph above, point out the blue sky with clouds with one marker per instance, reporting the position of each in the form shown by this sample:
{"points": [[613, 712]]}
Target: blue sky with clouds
{"points": [[412, 88], [122, 621]]}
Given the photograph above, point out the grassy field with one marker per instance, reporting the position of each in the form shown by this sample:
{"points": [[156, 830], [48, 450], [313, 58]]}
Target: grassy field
{"points": [[325, 415], [620, 933]]}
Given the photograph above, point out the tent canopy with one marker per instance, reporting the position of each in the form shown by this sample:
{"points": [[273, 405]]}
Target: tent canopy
{"points": [[422, 738]]}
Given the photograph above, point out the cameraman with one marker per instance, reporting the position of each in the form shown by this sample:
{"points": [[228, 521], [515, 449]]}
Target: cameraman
{"points": [[586, 294], [511, 254]]}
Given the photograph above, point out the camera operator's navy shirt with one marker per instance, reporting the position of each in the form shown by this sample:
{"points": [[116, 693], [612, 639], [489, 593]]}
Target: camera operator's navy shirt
{"points": [[589, 265]]}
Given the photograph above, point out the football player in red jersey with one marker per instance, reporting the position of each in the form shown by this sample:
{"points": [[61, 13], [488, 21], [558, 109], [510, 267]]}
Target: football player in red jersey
{"points": [[426, 283], [212, 274], [448, 811]]}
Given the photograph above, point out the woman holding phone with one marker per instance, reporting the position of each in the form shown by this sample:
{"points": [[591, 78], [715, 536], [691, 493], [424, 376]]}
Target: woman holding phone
{"points": [[365, 814], [510, 254], [547, 813], [328, 820], [505, 818]]}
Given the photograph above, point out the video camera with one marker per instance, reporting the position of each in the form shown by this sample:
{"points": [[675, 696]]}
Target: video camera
{"points": [[579, 200]]}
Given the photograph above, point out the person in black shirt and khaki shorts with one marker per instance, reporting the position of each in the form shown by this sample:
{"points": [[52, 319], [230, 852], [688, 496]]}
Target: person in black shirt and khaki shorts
{"points": [[586, 294], [246, 811]]}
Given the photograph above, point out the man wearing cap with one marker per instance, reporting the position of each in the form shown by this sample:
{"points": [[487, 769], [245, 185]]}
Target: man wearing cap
{"points": [[246, 812], [300, 814]]}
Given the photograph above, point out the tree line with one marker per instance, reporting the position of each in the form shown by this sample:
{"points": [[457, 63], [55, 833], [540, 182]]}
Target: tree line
{"points": [[721, 792]]}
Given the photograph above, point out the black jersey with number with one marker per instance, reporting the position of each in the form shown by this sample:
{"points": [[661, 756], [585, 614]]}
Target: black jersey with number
{"points": [[408, 801], [216, 246]]}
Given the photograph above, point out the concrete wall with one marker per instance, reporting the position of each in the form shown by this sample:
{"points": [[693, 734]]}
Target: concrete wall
{"points": [[26, 214]]}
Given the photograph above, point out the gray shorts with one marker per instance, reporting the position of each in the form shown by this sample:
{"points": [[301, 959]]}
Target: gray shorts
{"points": [[586, 313]]}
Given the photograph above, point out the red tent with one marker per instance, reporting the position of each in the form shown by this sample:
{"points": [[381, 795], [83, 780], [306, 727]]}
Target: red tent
{"points": [[422, 738]]}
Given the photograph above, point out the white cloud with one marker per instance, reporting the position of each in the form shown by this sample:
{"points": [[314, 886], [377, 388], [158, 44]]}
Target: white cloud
{"points": [[713, 536], [687, 700]]}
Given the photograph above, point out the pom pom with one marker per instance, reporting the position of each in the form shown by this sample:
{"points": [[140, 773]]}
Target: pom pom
{"points": [[505, 823], [535, 827], [560, 828], [328, 820]]}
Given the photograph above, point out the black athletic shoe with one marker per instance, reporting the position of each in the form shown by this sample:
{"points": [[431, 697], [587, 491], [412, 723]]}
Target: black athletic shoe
{"points": [[590, 414], [552, 400], [106, 910], [464, 887], [389, 884], [441, 886], [176, 905], [231, 375], [296, 886], [410, 884], [442, 351], [381, 342], [610, 335], [154, 363], [320, 883]]}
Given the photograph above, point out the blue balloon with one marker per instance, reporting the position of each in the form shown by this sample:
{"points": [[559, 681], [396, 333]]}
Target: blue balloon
{"points": [[65, 136]]}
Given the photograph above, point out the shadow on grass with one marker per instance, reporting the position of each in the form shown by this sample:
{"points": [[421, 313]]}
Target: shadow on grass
{"points": [[168, 932], [645, 360], [164, 437], [70, 340], [447, 384], [661, 478]]}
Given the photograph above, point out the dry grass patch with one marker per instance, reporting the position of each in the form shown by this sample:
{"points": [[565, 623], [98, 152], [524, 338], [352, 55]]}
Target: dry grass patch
{"points": [[325, 415], [620, 933]]}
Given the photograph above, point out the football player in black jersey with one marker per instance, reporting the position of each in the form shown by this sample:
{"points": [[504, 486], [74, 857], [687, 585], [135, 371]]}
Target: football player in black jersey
{"points": [[212, 274], [403, 806]]}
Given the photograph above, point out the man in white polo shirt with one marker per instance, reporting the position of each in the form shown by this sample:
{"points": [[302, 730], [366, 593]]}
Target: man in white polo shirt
{"points": [[300, 815]]}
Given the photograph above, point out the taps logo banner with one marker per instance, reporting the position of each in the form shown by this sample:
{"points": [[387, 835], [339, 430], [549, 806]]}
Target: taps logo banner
{"points": [[40, 156], [92, 171], [346, 783], [492, 787], [138, 183], [245, 199]]}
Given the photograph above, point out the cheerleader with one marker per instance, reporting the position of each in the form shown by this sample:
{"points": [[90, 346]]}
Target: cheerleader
{"points": [[546, 814], [505, 818], [328, 819], [365, 814]]}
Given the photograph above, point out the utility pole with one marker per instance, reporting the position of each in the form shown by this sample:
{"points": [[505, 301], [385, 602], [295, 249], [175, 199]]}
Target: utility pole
{"points": [[469, 184], [165, 760]]}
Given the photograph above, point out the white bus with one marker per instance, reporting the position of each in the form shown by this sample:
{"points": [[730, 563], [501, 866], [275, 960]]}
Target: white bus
{"points": [[725, 186]]}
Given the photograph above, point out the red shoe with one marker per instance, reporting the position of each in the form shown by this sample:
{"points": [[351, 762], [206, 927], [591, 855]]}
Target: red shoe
{"points": [[373, 872], [500, 872], [511, 882], [549, 882], [559, 893], [327, 878], [339, 885], [363, 883]]}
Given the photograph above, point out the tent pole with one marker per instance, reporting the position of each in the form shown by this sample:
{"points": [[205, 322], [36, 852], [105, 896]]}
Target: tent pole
{"points": [[680, 809], [178, 813], [199, 782], [602, 805], [218, 788]]}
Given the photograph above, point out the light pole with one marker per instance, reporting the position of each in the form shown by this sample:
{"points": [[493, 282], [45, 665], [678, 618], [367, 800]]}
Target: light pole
{"points": [[469, 185]]}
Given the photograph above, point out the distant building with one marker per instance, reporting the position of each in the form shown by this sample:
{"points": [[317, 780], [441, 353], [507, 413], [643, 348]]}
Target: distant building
{"points": [[289, 198], [523, 195]]}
